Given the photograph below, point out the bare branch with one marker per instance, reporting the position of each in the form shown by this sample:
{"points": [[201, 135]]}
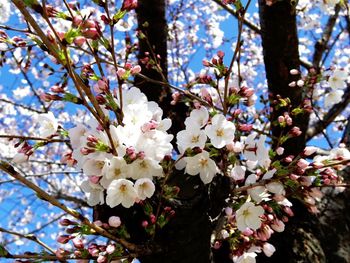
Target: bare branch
{"points": [[28, 236], [322, 44], [21, 106]]}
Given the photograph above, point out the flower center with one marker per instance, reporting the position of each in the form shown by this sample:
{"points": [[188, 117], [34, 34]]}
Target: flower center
{"points": [[219, 132]]}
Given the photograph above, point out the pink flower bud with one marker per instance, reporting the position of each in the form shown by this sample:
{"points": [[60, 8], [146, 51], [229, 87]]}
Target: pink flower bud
{"points": [[294, 177], [294, 72], [153, 218], [309, 150], [280, 150], [91, 33], [121, 72], [302, 163], [101, 259], [248, 232], [300, 83], [78, 243], [144, 223], [57, 89], [66, 222], [292, 84], [135, 70], [217, 245], [77, 21], [228, 211], [245, 127], [295, 131], [114, 221], [129, 5], [110, 249], [281, 119], [63, 239], [288, 211], [60, 253], [278, 226], [268, 249], [206, 63], [79, 40]]}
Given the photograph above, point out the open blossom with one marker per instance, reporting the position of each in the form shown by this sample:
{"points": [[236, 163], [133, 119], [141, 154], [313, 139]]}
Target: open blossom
{"points": [[115, 169], [333, 97], [47, 124], [338, 79], [256, 151], [122, 192], [257, 193], [94, 167], [94, 192], [145, 168], [198, 118], [248, 215], [238, 172], [221, 132], [202, 164], [145, 188], [190, 138]]}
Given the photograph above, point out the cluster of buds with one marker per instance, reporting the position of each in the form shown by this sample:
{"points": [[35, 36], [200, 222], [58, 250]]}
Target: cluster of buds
{"points": [[127, 70]]}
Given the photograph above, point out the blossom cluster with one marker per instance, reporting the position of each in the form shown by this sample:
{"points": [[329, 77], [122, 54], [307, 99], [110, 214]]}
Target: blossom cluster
{"points": [[140, 143]]}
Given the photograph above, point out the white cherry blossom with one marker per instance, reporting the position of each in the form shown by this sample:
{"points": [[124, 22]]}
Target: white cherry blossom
{"points": [[94, 192], [202, 164], [145, 188], [190, 138], [47, 124], [333, 97], [338, 79], [248, 216], [116, 169], [145, 168], [121, 191], [221, 132], [198, 118]]}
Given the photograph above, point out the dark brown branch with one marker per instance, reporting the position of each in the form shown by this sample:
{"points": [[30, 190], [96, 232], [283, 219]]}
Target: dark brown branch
{"points": [[322, 44], [21, 106]]}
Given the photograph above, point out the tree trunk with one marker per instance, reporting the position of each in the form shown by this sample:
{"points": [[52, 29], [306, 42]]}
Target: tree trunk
{"points": [[280, 49]]}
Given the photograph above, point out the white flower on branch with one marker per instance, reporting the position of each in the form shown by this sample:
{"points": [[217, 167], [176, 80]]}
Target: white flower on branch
{"points": [[221, 132], [201, 164], [145, 188], [122, 192], [47, 124], [248, 216]]}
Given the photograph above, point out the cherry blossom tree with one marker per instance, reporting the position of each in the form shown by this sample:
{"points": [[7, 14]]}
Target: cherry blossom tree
{"points": [[174, 131]]}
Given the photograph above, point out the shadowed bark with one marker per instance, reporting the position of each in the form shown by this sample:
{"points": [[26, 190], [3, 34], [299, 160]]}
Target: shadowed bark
{"points": [[280, 49]]}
